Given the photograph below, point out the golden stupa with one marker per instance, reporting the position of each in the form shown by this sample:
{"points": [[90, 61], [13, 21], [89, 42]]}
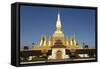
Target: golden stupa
{"points": [[48, 42]]}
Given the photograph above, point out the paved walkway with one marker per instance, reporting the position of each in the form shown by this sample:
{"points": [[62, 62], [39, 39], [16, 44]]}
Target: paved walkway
{"points": [[57, 60]]}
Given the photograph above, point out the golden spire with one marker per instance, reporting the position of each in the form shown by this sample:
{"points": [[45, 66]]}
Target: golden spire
{"points": [[74, 40], [58, 24], [58, 32]]}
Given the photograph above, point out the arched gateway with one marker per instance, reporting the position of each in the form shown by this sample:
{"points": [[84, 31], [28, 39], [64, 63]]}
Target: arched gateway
{"points": [[59, 54], [58, 50]]}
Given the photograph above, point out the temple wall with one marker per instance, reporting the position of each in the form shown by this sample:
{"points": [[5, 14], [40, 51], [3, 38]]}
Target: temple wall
{"points": [[54, 51]]}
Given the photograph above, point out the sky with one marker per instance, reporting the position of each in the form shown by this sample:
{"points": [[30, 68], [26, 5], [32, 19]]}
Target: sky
{"points": [[36, 21]]}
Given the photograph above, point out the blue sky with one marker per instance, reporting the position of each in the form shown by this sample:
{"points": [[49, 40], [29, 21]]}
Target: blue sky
{"points": [[36, 21]]}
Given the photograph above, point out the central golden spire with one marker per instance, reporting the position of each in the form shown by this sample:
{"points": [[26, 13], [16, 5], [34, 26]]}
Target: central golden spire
{"points": [[58, 24], [58, 32]]}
